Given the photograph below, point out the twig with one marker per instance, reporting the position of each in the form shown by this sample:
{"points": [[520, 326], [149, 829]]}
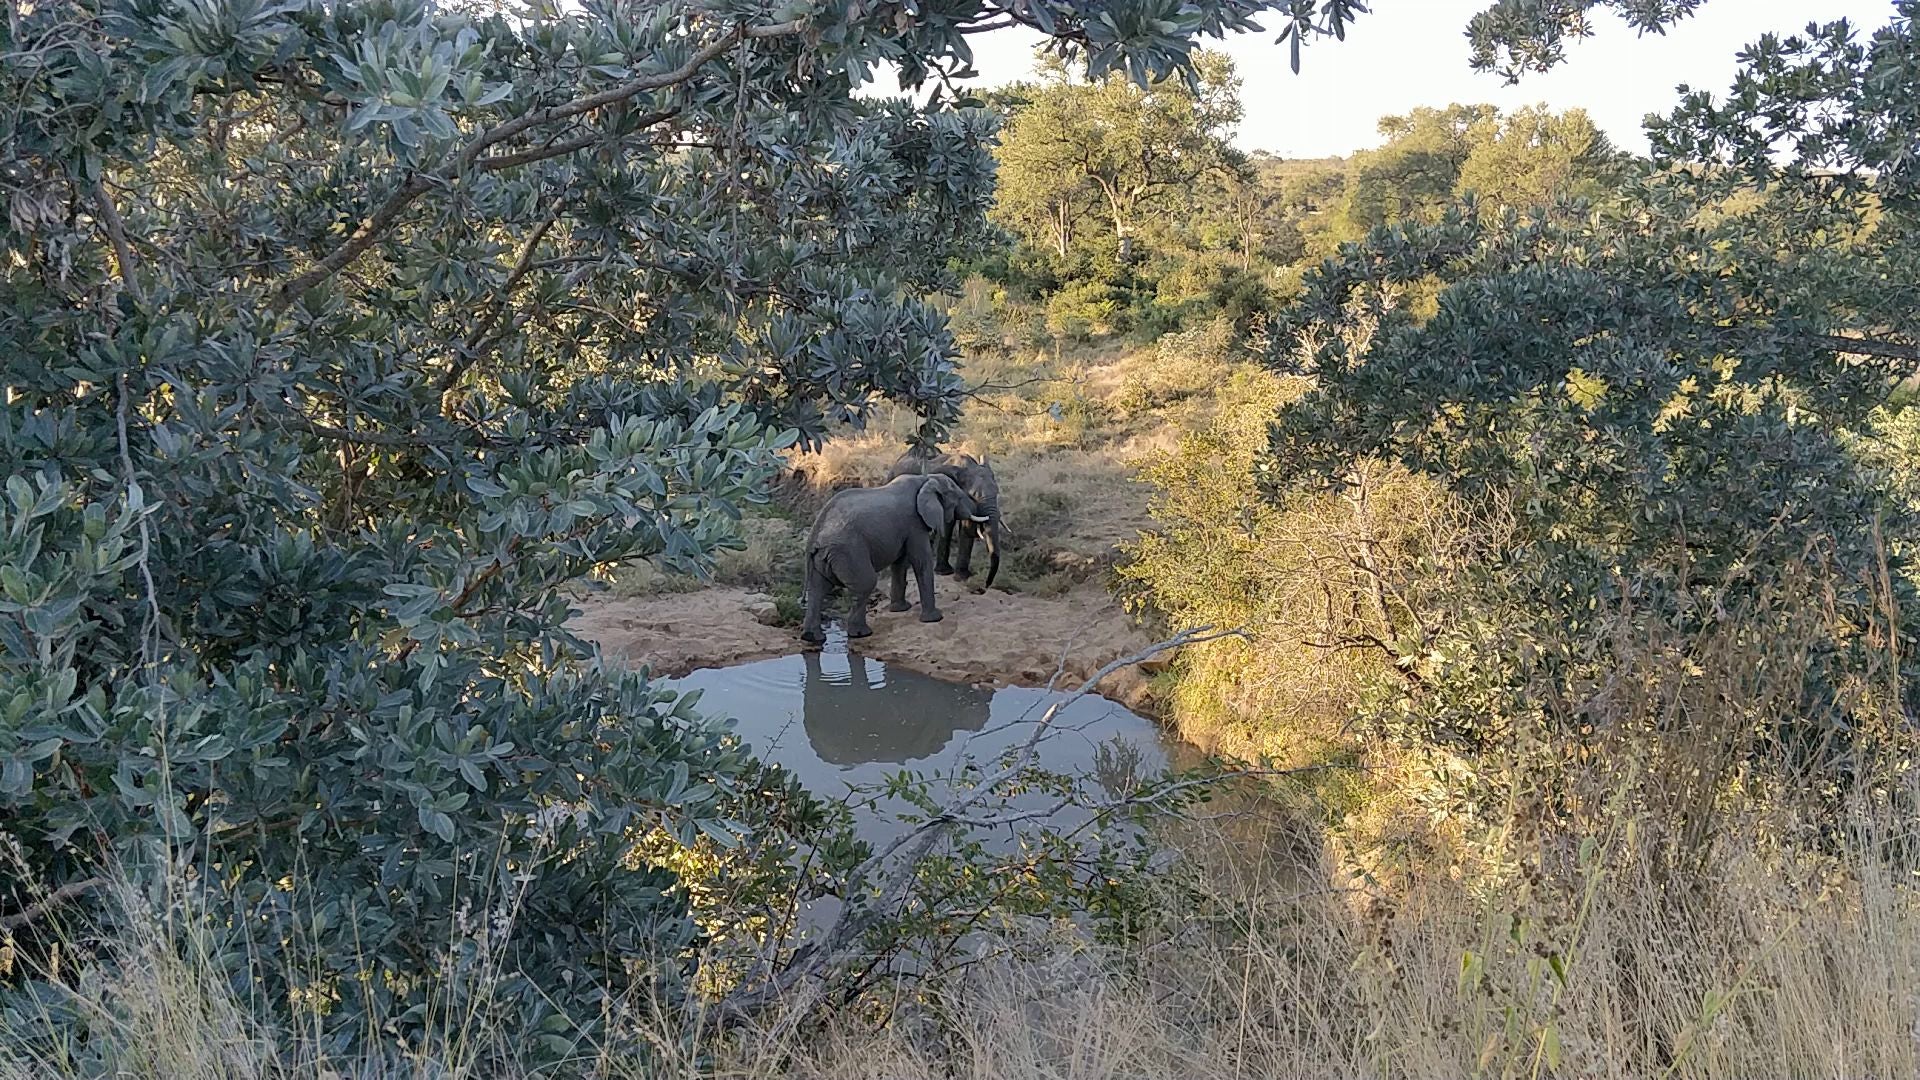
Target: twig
{"points": [[117, 234], [59, 896], [801, 987], [470, 351], [150, 630], [123, 254]]}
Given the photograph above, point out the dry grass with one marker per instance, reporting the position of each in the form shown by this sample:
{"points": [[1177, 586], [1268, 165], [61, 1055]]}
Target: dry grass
{"points": [[768, 559], [1780, 964]]}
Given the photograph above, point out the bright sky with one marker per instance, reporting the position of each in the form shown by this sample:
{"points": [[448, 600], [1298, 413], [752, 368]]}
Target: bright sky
{"points": [[1413, 52]]}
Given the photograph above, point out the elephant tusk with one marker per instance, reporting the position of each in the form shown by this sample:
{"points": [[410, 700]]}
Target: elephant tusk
{"points": [[980, 520]]}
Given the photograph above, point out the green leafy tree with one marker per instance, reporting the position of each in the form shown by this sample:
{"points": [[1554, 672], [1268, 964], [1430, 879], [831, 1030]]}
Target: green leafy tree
{"points": [[1114, 145], [1535, 156], [1658, 394], [1414, 173]]}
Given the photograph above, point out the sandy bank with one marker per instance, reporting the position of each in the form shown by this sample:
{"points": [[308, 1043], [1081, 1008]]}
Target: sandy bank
{"points": [[994, 638]]}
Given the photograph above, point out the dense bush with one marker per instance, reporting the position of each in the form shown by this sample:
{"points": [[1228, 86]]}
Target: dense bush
{"points": [[1584, 512], [1078, 312]]}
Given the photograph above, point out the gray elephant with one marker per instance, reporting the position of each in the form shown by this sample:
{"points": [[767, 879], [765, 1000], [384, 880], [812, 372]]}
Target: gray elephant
{"points": [[976, 478], [862, 531]]}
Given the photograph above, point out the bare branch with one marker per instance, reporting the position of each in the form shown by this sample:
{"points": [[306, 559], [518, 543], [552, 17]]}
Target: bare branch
{"points": [[117, 235], [800, 988], [1888, 350], [63, 894]]}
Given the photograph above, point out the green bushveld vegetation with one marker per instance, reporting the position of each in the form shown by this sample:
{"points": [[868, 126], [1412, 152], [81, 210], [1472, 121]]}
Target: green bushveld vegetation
{"points": [[1565, 499]]}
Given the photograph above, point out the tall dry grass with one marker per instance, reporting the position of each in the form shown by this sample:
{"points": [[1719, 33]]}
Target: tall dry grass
{"points": [[1785, 965]]}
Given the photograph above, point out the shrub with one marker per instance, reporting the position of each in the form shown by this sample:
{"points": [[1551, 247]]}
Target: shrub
{"points": [[1180, 365], [1083, 309], [1294, 575]]}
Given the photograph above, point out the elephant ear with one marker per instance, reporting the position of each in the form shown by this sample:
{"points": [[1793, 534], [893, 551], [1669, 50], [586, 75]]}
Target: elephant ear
{"points": [[933, 510]]}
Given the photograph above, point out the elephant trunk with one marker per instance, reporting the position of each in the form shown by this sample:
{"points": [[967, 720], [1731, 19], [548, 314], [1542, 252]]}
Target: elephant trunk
{"points": [[990, 532]]}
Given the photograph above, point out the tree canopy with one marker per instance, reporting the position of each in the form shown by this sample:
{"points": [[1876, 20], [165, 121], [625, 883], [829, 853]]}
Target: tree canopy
{"points": [[1114, 149], [1656, 393]]}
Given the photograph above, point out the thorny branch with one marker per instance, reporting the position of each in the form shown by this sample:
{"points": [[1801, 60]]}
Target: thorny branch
{"points": [[800, 987]]}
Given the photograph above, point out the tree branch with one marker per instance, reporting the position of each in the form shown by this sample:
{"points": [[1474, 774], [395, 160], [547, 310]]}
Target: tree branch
{"points": [[63, 894], [117, 235], [383, 219], [469, 353], [1888, 350]]}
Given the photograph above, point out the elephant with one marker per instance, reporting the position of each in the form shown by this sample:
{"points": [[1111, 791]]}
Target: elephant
{"points": [[976, 478], [862, 531]]}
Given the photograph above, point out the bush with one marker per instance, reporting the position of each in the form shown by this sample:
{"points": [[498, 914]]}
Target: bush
{"points": [[1179, 365], [1291, 575], [1083, 309], [975, 316]]}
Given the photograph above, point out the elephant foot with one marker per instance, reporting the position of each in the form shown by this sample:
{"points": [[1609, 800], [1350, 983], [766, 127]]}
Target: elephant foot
{"points": [[813, 637], [962, 574], [899, 605], [943, 571], [930, 615], [860, 631]]}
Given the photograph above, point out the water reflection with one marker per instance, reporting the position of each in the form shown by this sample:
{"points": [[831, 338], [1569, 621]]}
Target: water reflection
{"points": [[838, 721], [855, 714]]}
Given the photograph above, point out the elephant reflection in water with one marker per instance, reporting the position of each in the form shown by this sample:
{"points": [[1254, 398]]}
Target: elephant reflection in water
{"points": [[872, 714]]}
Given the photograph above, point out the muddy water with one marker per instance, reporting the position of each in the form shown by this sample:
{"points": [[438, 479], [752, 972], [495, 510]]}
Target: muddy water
{"points": [[844, 724]]}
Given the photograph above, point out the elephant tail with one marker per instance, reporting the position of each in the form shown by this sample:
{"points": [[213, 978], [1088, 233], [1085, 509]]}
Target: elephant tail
{"points": [[820, 563]]}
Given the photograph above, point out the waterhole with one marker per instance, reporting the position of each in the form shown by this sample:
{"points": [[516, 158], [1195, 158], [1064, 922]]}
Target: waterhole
{"points": [[844, 724]]}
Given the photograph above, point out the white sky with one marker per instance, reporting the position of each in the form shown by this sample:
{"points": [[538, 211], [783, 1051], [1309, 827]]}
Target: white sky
{"points": [[1414, 52]]}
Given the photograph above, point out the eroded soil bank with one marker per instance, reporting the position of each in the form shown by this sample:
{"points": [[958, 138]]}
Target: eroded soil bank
{"points": [[990, 639]]}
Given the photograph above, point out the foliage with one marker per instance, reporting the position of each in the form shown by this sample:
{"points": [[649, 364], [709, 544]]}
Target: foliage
{"points": [[1180, 365], [1114, 149], [1076, 313], [1298, 576], [342, 338], [1603, 380]]}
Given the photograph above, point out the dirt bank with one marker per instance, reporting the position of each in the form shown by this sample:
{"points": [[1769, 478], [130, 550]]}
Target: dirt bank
{"points": [[994, 638]]}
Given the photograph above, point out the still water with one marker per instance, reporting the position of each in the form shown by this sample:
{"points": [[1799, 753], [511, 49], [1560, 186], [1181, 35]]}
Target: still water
{"points": [[843, 724]]}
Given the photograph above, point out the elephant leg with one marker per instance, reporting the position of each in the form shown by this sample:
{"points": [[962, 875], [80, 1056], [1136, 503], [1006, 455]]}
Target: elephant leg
{"points": [[942, 543], [816, 597], [963, 565], [859, 580], [921, 555], [897, 597]]}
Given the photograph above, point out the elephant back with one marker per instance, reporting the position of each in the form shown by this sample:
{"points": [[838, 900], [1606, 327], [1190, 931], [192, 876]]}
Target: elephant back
{"points": [[919, 462]]}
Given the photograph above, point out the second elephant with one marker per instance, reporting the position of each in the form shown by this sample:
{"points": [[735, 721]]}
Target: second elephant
{"points": [[976, 478]]}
